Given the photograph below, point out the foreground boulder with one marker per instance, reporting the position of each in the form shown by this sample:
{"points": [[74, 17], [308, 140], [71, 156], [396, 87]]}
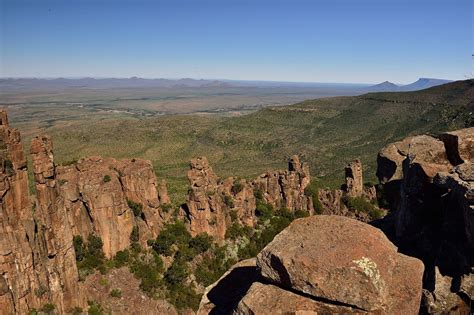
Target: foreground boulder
{"points": [[330, 264]]}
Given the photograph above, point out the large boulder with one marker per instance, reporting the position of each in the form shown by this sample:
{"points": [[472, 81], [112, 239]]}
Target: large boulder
{"points": [[343, 261], [321, 265]]}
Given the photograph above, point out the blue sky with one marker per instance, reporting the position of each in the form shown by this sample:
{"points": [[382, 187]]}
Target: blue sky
{"points": [[363, 41]]}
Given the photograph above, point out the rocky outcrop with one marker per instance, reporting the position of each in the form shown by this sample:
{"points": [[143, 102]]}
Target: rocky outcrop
{"points": [[325, 264], [107, 197], [354, 182], [37, 264], [18, 278], [110, 198], [56, 251], [214, 204], [286, 189], [430, 186]]}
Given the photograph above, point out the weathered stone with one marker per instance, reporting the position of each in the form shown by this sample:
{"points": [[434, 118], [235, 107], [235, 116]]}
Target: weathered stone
{"points": [[354, 181], [267, 298], [442, 300], [343, 261], [459, 145], [214, 204], [433, 204], [56, 250], [98, 194], [223, 296]]}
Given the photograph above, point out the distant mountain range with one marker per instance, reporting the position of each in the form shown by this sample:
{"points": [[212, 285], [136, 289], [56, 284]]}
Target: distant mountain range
{"points": [[420, 84], [8, 84]]}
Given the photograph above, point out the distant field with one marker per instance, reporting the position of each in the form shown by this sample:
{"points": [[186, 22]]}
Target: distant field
{"points": [[36, 109], [327, 133]]}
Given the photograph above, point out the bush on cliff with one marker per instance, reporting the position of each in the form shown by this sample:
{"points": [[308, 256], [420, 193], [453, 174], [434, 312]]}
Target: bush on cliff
{"points": [[135, 207], [89, 256], [360, 204]]}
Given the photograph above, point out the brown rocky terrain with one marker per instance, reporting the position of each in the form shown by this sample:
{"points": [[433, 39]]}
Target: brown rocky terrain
{"points": [[430, 185], [37, 264], [321, 264], [325, 263], [212, 202]]}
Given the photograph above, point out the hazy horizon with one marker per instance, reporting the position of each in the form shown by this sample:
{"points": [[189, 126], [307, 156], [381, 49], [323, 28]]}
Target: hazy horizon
{"points": [[367, 42]]}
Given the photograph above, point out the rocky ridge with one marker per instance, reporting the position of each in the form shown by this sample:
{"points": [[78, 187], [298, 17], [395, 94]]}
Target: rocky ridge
{"points": [[429, 182]]}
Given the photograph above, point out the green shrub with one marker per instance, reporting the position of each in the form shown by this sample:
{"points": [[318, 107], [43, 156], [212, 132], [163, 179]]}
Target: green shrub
{"points": [[264, 211], [166, 207], [103, 282], [184, 297], [78, 243], [121, 258], [176, 274], [237, 187], [201, 243], [135, 207], [360, 204], [134, 235], [94, 308], [236, 230], [171, 234], [116, 293], [107, 178], [213, 266], [48, 308], [229, 202], [91, 256], [258, 194], [148, 267], [300, 214], [233, 215], [313, 191]]}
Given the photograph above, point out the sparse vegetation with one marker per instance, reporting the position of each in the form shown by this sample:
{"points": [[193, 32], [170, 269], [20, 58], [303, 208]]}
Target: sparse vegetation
{"points": [[360, 204], [135, 207], [116, 293], [89, 256], [107, 178], [94, 308]]}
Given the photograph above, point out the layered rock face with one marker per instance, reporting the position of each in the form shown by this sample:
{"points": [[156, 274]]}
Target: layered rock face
{"points": [[37, 262], [109, 198], [211, 201], [322, 264], [56, 236], [214, 204], [106, 197], [430, 184], [285, 189]]}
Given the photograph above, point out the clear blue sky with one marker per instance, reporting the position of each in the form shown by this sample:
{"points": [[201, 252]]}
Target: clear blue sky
{"points": [[366, 41]]}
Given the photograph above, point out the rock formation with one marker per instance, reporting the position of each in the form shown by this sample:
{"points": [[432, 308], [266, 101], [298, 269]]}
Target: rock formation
{"points": [[214, 204], [285, 189], [430, 185], [37, 264], [323, 264], [332, 201], [56, 237], [109, 198]]}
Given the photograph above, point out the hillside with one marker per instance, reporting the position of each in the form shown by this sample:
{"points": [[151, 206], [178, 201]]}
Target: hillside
{"points": [[325, 132]]}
